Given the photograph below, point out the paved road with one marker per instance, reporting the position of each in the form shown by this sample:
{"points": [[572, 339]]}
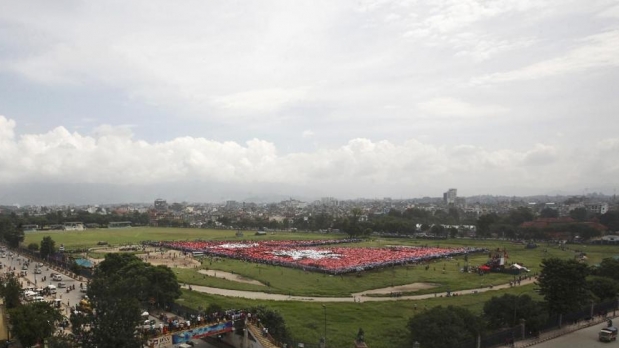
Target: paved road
{"points": [[68, 299], [585, 338]]}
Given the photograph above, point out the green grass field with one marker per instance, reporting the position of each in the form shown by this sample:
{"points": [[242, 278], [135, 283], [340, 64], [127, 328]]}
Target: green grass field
{"points": [[383, 322]]}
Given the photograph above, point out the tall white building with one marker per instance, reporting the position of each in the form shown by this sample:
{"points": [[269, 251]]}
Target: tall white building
{"points": [[450, 196]]}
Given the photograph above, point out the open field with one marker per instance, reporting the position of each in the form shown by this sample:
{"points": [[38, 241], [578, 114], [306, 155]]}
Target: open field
{"points": [[121, 236], [383, 322]]}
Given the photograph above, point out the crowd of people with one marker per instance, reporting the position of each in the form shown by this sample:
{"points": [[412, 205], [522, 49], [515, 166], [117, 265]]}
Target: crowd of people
{"points": [[316, 255]]}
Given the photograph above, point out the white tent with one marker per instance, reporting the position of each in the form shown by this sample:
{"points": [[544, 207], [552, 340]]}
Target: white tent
{"points": [[145, 314]]}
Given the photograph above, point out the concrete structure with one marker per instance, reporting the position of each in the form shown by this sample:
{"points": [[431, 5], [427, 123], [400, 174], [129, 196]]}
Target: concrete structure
{"points": [[450, 196], [161, 204]]}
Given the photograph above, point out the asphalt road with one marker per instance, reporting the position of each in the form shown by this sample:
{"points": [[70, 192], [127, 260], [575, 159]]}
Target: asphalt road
{"points": [[68, 299], [585, 338]]}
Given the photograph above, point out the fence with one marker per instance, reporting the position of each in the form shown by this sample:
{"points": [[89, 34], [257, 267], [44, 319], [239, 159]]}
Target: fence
{"points": [[515, 334]]}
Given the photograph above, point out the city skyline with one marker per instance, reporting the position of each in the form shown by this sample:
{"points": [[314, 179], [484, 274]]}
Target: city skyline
{"points": [[217, 101]]}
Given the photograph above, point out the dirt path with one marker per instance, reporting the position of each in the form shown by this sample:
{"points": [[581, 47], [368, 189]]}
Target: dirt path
{"points": [[229, 276], [360, 297]]}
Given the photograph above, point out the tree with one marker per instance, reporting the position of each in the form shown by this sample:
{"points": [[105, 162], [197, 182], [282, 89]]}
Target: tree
{"points": [[48, 247], [453, 232], [34, 322], [505, 311], [351, 224], [579, 214], [519, 215], [563, 284], [610, 220], [609, 268], [437, 230], [603, 288], [10, 290], [33, 247], [484, 222], [119, 284], [443, 327], [549, 213], [10, 233], [272, 320]]}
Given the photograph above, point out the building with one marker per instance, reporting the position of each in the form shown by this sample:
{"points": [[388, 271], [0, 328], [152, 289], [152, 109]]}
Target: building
{"points": [[596, 208], [450, 196], [161, 204]]}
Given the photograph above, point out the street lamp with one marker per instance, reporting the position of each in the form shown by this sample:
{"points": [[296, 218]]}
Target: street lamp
{"points": [[324, 308], [516, 304]]}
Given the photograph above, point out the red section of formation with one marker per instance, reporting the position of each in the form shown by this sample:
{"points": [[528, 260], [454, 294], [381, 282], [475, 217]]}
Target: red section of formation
{"points": [[334, 259]]}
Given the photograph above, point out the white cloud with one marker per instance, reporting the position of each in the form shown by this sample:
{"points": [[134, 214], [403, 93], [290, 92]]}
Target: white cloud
{"points": [[454, 108], [596, 51], [307, 134], [112, 156]]}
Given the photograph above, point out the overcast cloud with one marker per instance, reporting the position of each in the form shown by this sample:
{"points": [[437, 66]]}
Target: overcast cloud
{"points": [[347, 99]]}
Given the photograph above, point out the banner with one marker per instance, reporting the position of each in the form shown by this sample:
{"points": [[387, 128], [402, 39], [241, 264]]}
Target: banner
{"points": [[203, 331], [160, 342]]}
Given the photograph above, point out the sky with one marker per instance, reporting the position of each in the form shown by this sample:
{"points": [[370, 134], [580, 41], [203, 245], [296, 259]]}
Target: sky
{"points": [[216, 100]]}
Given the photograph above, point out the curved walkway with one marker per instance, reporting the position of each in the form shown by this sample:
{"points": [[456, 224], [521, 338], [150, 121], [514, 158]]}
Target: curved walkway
{"points": [[357, 297]]}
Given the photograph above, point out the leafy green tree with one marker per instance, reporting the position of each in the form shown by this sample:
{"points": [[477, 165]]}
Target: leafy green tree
{"points": [[549, 213], [33, 247], [115, 322], [611, 220], [603, 288], [437, 230], [579, 214], [48, 247], [10, 290], [61, 341], [11, 233], [444, 327], [519, 215], [119, 284], [484, 223], [34, 322], [507, 310], [609, 268], [563, 284], [273, 320]]}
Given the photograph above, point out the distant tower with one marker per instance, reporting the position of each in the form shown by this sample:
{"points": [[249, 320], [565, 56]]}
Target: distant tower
{"points": [[450, 196], [161, 204]]}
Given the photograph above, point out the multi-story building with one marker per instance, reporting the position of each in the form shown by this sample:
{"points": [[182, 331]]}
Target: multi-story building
{"points": [[450, 196], [161, 204]]}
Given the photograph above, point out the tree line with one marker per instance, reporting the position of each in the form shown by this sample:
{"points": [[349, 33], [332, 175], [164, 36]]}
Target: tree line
{"points": [[566, 286]]}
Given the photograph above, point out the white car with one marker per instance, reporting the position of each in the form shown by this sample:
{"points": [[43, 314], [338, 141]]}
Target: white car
{"points": [[57, 277], [37, 271]]}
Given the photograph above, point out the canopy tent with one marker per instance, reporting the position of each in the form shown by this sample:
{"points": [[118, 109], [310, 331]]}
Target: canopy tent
{"points": [[520, 268], [145, 314]]}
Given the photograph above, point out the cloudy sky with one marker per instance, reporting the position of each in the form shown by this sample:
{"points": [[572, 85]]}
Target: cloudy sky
{"points": [[309, 98]]}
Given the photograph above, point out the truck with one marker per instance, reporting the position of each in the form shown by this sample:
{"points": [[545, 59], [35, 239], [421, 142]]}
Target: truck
{"points": [[608, 334]]}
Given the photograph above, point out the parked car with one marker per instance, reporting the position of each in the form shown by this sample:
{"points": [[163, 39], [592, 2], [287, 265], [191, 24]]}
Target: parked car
{"points": [[37, 271], [62, 285]]}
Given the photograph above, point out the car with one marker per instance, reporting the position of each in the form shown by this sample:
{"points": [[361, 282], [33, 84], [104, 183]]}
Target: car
{"points": [[84, 289], [56, 277], [24, 267], [37, 271], [62, 285]]}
